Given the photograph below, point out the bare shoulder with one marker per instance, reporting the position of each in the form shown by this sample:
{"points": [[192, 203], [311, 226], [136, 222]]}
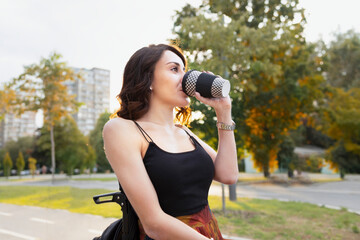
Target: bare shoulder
{"points": [[122, 144], [116, 125], [120, 130]]}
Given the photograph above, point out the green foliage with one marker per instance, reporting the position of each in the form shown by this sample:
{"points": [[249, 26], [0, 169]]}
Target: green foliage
{"points": [[259, 46], [342, 123], [340, 113], [42, 147], [26, 145], [89, 162], [355, 229], [286, 157], [32, 165], [71, 151], [7, 97], [71, 145], [20, 163], [298, 135], [314, 164], [8, 164], [342, 61], [96, 141], [256, 13], [344, 160]]}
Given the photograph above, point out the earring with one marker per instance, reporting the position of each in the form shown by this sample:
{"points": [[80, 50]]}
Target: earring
{"points": [[151, 88]]}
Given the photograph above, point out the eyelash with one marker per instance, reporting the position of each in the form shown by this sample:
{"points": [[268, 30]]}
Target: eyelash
{"points": [[176, 68]]}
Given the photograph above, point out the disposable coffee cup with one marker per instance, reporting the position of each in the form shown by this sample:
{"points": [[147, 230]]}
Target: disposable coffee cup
{"points": [[208, 85]]}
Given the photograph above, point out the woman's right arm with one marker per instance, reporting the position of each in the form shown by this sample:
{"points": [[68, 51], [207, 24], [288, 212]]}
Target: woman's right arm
{"points": [[122, 145]]}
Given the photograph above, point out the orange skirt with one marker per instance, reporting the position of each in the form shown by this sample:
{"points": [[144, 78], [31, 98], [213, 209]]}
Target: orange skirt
{"points": [[204, 222]]}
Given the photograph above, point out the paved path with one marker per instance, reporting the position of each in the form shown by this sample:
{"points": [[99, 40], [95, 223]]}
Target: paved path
{"points": [[35, 223]]}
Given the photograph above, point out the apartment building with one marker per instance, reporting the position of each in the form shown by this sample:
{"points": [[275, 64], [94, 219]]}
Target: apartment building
{"points": [[94, 92], [13, 127]]}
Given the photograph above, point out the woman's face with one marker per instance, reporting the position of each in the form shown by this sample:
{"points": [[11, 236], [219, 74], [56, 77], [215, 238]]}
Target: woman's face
{"points": [[166, 85]]}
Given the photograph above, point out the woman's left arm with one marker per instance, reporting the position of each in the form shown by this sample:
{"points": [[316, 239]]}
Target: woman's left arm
{"points": [[225, 159]]}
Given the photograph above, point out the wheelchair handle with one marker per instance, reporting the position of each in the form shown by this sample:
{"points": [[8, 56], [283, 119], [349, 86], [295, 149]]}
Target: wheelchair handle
{"points": [[117, 197]]}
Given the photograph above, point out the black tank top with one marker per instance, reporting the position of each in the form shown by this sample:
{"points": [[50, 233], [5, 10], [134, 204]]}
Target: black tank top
{"points": [[181, 180]]}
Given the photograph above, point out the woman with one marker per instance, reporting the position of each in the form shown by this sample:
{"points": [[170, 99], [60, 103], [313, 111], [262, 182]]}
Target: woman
{"points": [[164, 169]]}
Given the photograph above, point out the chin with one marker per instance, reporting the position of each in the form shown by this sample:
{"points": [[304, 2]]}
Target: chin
{"points": [[180, 101], [185, 102]]}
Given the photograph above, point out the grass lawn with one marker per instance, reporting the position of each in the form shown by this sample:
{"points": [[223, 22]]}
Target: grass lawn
{"points": [[252, 218]]}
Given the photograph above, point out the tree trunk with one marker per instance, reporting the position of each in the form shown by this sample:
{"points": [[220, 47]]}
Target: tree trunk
{"points": [[266, 170], [53, 164], [342, 173], [290, 173]]}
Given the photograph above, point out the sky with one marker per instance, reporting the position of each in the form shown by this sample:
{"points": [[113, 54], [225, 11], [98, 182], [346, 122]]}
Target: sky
{"points": [[104, 34]]}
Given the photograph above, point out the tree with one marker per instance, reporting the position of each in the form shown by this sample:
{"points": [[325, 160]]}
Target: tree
{"points": [[344, 160], [259, 46], [2, 153], [286, 156], [7, 97], [42, 149], [342, 123], [7, 163], [71, 145], [97, 142], [257, 12], [342, 61], [32, 166], [20, 163], [25, 145], [41, 86], [89, 162]]}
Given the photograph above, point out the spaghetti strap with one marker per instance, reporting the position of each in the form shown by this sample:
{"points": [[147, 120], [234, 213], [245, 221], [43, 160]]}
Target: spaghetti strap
{"points": [[193, 140], [146, 136], [180, 126]]}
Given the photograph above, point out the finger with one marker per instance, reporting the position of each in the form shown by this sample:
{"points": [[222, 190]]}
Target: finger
{"points": [[200, 98], [209, 72], [204, 100]]}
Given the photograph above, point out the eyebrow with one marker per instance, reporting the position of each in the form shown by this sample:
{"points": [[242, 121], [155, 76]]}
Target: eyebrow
{"points": [[176, 63]]}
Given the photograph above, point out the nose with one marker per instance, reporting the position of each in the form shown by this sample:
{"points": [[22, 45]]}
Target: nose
{"points": [[182, 73]]}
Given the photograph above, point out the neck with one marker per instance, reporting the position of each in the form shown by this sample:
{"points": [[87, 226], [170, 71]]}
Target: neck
{"points": [[159, 114]]}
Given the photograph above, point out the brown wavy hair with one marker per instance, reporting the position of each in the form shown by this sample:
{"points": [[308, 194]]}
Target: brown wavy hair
{"points": [[134, 97]]}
